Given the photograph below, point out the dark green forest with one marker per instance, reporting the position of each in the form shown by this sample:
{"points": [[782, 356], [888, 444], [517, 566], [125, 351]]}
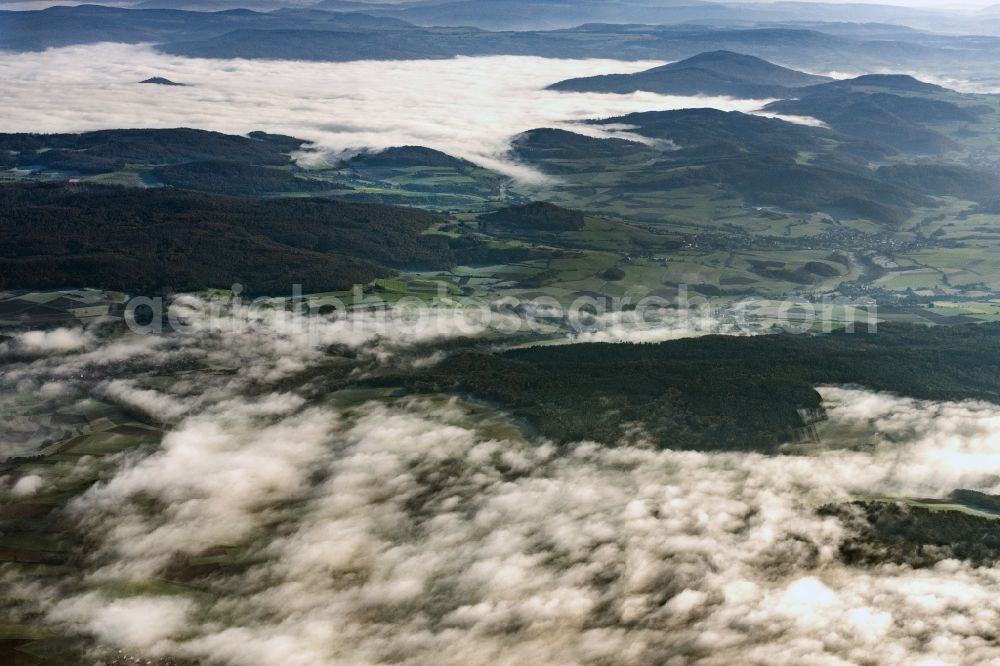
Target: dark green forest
{"points": [[59, 235], [719, 392], [146, 146], [227, 177], [918, 536], [769, 162], [535, 216]]}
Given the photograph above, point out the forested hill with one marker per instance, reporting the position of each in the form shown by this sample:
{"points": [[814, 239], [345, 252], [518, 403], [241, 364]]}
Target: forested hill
{"points": [[108, 150], [535, 216], [710, 73], [56, 236], [897, 111], [719, 392]]}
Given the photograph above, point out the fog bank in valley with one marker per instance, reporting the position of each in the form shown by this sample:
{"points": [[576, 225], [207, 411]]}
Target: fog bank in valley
{"points": [[469, 107]]}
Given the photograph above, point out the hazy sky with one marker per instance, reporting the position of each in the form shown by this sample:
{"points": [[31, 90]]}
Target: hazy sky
{"points": [[924, 4], [928, 4]]}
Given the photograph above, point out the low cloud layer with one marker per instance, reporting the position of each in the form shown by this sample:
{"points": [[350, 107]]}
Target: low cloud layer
{"points": [[469, 107], [426, 540], [258, 347], [657, 326], [422, 531]]}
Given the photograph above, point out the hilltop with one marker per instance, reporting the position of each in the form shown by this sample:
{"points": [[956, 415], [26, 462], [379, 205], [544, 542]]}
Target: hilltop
{"points": [[893, 110], [161, 81], [713, 73], [408, 156], [54, 235]]}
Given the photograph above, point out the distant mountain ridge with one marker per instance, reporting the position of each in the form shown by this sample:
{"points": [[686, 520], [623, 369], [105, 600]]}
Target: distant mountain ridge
{"points": [[86, 24], [381, 33], [881, 82], [720, 73], [559, 14]]}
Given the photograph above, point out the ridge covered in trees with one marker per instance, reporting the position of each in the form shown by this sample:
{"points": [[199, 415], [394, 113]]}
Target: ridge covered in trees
{"points": [[719, 392], [535, 216], [56, 235]]}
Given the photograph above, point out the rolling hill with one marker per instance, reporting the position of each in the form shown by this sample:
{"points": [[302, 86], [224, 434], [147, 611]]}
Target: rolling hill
{"points": [[758, 159], [718, 392], [408, 156], [148, 146], [897, 111], [722, 73], [58, 236]]}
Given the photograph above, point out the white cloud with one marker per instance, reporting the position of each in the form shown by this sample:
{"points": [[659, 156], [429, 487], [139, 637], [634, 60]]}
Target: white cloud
{"points": [[411, 532], [424, 539], [656, 326], [162, 407], [139, 623], [215, 476], [27, 486], [469, 107], [252, 346], [798, 120], [55, 341]]}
